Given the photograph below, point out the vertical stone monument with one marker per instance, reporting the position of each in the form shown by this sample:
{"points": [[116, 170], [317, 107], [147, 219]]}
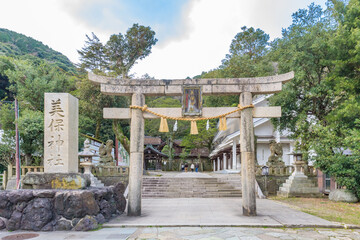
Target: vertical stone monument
{"points": [[61, 120]]}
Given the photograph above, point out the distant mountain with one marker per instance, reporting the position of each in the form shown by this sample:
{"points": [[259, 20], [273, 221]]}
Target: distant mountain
{"points": [[16, 44]]}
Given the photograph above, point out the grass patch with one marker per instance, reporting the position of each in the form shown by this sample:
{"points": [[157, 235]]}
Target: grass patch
{"points": [[348, 213]]}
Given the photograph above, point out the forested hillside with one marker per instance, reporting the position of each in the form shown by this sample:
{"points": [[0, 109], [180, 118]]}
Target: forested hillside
{"points": [[16, 44]]}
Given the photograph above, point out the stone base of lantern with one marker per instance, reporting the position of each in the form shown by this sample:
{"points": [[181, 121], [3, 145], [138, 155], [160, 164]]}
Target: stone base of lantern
{"points": [[87, 171], [298, 184]]}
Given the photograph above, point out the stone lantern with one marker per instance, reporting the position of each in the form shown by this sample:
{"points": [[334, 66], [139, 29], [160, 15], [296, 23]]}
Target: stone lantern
{"points": [[298, 184], [298, 163], [87, 155]]}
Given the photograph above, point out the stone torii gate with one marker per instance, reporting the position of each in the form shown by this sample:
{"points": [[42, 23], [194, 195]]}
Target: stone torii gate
{"points": [[244, 87]]}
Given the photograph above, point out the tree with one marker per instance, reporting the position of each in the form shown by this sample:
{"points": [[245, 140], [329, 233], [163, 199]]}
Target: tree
{"points": [[203, 139], [124, 50], [247, 58], [29, 79], [92, 55], [115, 58], [308, 98], [31, 129], [250, 42], [342, 132]]}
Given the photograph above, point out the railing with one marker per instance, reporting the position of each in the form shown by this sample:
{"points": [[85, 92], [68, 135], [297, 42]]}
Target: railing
{"points": [[286, 170], [24, 170], [101, 171]]}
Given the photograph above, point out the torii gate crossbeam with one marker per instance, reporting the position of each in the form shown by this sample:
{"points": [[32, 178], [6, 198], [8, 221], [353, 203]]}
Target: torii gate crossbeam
{"points": [[244, 87]]}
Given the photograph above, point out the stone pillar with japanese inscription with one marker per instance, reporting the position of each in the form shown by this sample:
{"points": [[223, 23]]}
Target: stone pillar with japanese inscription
{"points": [[61, 121]]}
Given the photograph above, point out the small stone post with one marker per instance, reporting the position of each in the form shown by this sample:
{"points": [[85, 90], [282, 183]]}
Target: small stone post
{"points": [[136, 156], [247, 149]]}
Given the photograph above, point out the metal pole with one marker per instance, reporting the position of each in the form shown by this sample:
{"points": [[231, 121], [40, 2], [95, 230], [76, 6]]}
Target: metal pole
{"points": [[116, 152], [17, 157]]}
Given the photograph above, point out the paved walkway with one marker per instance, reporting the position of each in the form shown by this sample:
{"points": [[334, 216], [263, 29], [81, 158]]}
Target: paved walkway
{"points": [[192, 233], [201, 212]]}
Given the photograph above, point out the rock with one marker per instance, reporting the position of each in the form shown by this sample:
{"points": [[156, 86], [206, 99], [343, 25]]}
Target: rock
{"points": [[37, 214], [87, 223], [19, 196], [3, 199], [119, 198], [46, 193], [100, 218], [5, 212], [20, 206], [14, 221], [63, 225], [119, 189], [2, 224], [121, 204], [48, 227], [75, 221], [103, 193], [76, 204], [343, 195], [106, 209]]}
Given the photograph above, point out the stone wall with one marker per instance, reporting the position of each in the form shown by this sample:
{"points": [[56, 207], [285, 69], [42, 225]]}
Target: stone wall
{"points": [[49, 210]]}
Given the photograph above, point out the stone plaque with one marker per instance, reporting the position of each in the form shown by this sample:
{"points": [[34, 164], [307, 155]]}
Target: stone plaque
{"points": [[61, 120], [192, 101]]}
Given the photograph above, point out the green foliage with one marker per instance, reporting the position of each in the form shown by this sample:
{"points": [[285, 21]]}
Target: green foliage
{"points": [[124, 50], [203, 139], [247, 58], [5, 64], [114, 58], [7, 116], [152, 125], [321, 105], [15, 44], [120, 53], [92, 55], [308, 98], [31, 129], [91, 104], [29, 80], [7, 153], [330, 157], [168, 151]]}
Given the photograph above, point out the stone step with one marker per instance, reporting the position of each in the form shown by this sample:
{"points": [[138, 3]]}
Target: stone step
{"points": [[191, 187]]}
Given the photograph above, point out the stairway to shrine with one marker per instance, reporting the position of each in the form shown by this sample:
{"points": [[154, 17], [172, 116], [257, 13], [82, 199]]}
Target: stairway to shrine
{"points": [[185, 187]]}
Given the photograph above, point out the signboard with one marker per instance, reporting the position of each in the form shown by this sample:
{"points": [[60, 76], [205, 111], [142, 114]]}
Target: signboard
{"points": [[192, 101]]}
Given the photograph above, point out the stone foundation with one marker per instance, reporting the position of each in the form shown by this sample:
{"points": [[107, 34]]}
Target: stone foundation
{"points": [[34, 180], [52, 210], [271, 184]]}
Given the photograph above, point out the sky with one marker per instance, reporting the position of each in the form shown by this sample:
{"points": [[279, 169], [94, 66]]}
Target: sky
{"points": [[193, 35]]}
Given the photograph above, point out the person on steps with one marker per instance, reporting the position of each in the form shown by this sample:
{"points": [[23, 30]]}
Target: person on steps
{"points": [[192, 167]]}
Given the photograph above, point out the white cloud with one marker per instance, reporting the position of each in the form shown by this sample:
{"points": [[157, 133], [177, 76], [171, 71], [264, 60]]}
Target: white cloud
{"points": [[201, 40], [213, 26]]}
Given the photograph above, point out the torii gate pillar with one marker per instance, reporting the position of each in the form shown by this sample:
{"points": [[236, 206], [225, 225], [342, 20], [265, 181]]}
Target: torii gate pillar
{"points": [[247, 149], [136, 156]]}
